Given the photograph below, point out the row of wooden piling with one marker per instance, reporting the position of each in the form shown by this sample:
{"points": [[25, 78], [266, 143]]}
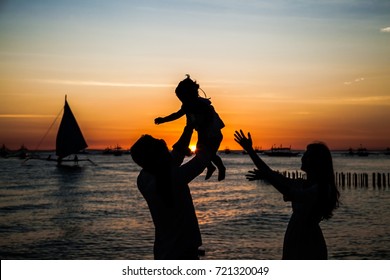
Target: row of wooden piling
{"points": [[361, 180], [294, 174]]}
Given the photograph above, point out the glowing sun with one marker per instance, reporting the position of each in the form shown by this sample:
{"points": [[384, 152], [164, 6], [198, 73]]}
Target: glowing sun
{"points": [[193, 148]]}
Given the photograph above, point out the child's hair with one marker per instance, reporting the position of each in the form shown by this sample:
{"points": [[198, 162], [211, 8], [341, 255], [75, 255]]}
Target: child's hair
{"points": [[187, 89]]}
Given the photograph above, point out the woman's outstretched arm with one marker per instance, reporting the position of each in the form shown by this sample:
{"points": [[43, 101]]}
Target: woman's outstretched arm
{"points": [[280, 182]]}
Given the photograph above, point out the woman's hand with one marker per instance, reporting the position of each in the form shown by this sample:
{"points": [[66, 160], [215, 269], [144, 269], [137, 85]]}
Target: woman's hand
{"points": [[256, 174], [253, 175], [244, 142]]}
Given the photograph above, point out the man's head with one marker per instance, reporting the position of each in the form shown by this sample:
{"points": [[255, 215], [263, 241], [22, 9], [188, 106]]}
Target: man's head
{"points": [[150, 153]]}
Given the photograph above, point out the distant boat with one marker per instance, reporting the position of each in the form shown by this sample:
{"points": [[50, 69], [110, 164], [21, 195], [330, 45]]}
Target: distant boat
{"points": [[361, 152], [258, 149], [117, 151], [281, 152], [69, 140], [351, 152], [22, 153], [4, 151], [107, 151]]}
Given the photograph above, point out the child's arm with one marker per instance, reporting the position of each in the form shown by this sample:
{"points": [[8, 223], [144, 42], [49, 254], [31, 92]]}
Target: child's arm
{"points": [[169, 118]]}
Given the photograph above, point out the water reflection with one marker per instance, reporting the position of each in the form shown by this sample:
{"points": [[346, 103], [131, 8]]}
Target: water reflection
{"points": [[98, 213]]}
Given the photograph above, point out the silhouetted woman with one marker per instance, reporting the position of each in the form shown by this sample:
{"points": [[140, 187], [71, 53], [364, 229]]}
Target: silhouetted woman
{"points": [[313, 199]]}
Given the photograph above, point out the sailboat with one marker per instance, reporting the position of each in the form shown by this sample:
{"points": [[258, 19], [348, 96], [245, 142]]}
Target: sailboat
{"points": [[70, 139]]}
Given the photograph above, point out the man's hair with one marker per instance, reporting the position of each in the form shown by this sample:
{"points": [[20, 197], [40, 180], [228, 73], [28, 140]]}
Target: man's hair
{"points": [[153, 156], [147, 150]]}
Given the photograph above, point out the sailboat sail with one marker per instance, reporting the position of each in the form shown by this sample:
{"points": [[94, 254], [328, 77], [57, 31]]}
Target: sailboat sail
{"points": [[69, 140]]}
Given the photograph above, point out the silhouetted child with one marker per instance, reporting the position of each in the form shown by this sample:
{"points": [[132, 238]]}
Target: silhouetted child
{"points": [[201, 116]]}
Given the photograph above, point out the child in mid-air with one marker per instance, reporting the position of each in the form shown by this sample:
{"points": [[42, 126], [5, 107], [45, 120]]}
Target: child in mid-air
{"points": [[202, 116]]}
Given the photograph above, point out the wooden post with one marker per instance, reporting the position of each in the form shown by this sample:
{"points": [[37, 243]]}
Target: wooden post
{"points": [[366, 180], [388, 179]]}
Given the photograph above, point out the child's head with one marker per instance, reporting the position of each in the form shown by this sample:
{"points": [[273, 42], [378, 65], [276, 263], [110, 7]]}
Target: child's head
{"points": [[187, 90]]}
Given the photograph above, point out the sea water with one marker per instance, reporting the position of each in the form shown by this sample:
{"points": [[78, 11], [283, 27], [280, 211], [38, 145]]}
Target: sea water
{"points": [[97, 212]]}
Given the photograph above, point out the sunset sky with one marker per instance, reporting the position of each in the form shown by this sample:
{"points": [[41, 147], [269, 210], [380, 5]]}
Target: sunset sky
{"points": [[290, 72]]}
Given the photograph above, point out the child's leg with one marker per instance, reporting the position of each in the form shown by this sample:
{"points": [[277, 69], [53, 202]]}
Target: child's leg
{"points": [[210, 170], [221, 167], [213, 144]]}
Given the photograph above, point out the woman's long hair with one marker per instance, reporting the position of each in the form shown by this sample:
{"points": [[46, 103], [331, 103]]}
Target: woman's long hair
{"points": [[322, 172], [153, 156]]}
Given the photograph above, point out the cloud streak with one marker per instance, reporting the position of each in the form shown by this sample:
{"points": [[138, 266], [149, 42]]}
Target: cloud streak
{"points": [[21, 116], [103, 83], [357, 80], [386, 29], [358, 100]]}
